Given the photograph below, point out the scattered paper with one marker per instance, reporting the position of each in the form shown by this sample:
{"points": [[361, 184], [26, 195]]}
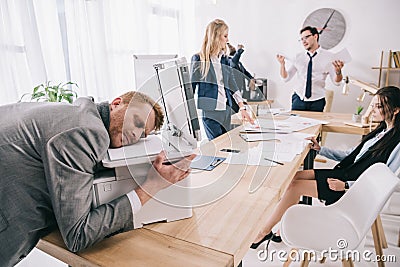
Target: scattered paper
{"points": [[150, 145], [253, 137], [343, 55], [287, 58], [254, 156], [269, 126]]}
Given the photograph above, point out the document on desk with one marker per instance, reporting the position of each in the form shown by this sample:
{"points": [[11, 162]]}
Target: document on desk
{"points": [[281, 137], [298, 123], [151, 145], [255, 137], [289, 125], [267, 126], [207, 163], [254, 156]]}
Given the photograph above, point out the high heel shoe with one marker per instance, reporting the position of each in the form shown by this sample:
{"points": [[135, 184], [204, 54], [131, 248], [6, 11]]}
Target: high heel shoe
{"points": [[276, 238], [267, 237], [270, 236]]}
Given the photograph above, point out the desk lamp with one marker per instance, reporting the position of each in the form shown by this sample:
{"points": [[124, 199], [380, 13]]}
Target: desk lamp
{"points": [[366, 88]]}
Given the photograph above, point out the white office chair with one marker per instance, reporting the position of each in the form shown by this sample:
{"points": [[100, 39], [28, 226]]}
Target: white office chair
{"points": [[392, 208], [320, 228]]}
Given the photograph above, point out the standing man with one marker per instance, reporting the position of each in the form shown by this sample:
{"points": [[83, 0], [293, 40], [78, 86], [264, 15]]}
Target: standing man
{"points": [[50, 153], [240, 72], [312, 68]]}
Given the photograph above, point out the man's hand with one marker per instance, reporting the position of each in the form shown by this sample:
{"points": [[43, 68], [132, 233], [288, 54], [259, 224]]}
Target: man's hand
{"points": [[283, 71], [252, 84], [338, 64], [335, 184], [281, 59], [162, 175]]}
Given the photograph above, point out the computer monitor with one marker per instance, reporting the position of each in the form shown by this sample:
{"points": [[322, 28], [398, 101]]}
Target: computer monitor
{"points": [[181, 130], [145, 80], [177, 97]]}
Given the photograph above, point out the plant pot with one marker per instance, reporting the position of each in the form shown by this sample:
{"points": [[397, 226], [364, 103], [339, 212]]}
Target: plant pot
{"points": [[356, 118]]}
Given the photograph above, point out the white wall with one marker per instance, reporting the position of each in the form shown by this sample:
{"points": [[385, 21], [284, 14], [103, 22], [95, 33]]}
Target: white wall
{"points": [[268, 27]]}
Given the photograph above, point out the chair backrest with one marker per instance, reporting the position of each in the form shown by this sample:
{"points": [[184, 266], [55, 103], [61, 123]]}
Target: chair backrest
{"points": [[394, 161], [329, 100], [365, 199], [392, 205]]}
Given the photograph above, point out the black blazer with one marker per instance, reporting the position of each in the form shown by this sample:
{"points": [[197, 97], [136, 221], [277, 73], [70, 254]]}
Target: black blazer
{"points": [[352, 170], [208, 87]]}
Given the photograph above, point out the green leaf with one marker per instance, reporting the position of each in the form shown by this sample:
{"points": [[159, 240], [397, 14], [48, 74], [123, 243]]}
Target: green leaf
{"points": [[52, 96], [50, 92], [359, 110]]}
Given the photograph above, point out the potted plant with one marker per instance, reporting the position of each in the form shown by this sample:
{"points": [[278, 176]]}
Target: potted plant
{"points": [[48, 92], [357, 115]]}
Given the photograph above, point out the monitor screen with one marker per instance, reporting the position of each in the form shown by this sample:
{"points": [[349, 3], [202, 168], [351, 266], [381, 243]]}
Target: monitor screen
{"points": [[178, 101], [144, 74]]}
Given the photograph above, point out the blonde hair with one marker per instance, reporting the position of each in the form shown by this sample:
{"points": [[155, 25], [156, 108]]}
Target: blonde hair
{"points": [[133, 96], [210, 46]]}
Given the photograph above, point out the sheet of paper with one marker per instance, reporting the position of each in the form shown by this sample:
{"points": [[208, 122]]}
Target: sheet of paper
{"points": [[343, 55], [146, 146], [268, 126], [252, 137], [287, 58], [254, 156], [287, 148], [298, 123], [289, 125]]}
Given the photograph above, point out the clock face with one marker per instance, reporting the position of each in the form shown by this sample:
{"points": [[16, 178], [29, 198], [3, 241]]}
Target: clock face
{"points": [[330, 24]]}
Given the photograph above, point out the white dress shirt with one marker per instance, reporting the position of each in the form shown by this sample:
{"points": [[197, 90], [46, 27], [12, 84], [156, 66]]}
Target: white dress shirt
{"points": [[221, 99], [322, 67]]}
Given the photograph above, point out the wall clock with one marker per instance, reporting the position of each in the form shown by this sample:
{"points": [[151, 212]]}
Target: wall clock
{"points": [[330, 24]]}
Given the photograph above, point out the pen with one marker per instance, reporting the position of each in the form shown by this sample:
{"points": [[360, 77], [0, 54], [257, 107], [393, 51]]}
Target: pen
{"points": [[274, 161]]}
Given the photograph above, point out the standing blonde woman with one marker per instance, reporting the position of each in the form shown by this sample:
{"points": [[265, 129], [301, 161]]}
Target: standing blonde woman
{"points": [[214, 80]]}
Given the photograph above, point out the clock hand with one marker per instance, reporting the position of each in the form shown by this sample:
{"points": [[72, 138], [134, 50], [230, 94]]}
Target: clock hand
{"points": [[326, 23]]}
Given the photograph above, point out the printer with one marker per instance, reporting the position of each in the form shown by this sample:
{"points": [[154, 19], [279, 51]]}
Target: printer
{"points": [[127, 167]]}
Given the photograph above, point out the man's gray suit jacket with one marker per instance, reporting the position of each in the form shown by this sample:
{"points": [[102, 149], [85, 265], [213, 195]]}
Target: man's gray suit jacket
{"points": [[49, 153]]}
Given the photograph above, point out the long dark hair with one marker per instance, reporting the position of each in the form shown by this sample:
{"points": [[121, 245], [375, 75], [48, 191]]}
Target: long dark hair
{"points": [[389, 98]]}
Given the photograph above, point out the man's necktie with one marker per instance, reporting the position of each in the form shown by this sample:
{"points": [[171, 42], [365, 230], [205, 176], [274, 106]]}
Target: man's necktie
{"points": [[309, 74]]}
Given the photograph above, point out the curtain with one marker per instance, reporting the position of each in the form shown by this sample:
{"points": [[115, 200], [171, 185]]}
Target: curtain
{"points": [[89, 42]]}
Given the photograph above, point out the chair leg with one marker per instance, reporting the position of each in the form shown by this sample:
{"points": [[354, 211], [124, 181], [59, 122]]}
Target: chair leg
{"points": [[381, 232], [398, 241], [377, 242], [347, 263], [306, 261], [290, 258]]}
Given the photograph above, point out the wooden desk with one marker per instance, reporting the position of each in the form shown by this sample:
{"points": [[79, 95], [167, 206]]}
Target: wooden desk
{"points": [[140, 247], [336, 122], [264, 102], [218, 234]]}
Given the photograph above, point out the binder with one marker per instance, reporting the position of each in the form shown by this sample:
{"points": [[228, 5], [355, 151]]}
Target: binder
{"points": [[206, 163]]}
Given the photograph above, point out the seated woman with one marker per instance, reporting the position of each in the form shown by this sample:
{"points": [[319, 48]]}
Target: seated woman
{"points": [[330, 184]]}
